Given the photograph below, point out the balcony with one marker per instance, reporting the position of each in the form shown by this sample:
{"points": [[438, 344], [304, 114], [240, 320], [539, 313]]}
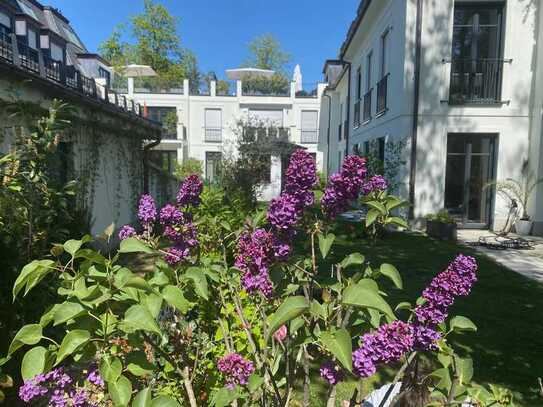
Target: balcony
{"points": [[476, 81], [252, 134], [29, 58], [310, 136], [155, 85], [6, 48], [366, 113], [212, 134], [382, 91]]}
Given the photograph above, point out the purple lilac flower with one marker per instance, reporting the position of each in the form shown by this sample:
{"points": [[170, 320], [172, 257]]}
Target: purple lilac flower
{"points": [[281, 250], [344, 186], [95, 378], [283, 212], [426, 338], [190, 190], [169, 215], [31, 390], [301, 177], [236, 369], [456, 281], [58, 399], [147, 209], [388, 344], [176, 254], [126, 232], [375, 183], [331, 372], [79, 397]]}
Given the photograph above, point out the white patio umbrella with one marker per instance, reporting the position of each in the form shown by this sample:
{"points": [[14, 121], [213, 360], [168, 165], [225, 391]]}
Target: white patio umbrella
{"points": [[240, 73], [136, 71], [297, 78]]}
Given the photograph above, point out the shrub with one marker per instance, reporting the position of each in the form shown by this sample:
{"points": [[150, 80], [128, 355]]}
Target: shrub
{"points": [[187, 167]]}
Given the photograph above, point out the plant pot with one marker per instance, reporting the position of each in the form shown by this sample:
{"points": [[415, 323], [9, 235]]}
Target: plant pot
{"points": [[523, 227], [440, 230]]}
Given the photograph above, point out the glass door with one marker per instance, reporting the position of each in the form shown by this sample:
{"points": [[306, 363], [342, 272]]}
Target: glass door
{"points": [[470, 167]]}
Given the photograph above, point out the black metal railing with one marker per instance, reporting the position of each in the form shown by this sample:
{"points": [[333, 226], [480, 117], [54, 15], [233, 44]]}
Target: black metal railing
{"points": [[6, 47], [382, 91], [477, 81], [357, 111], [310, 136], [366, 112], [88, 86], [28, 58], [53, 69], [213, 134], [252, 134]]}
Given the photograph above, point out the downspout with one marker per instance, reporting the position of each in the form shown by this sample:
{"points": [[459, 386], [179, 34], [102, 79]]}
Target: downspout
{"points": [[348, 107], [416, 97], [328, 133]]}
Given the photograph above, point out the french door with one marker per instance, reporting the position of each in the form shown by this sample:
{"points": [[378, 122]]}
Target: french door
{"points": [[470, 168]]}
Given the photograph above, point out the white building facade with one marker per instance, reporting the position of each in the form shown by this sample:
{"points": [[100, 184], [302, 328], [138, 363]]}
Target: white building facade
{"points": [[459, 82], [207, 127]]}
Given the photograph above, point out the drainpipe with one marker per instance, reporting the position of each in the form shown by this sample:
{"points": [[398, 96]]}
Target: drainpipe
{"points": [[328, 132], [348, 107], [416, 97]]}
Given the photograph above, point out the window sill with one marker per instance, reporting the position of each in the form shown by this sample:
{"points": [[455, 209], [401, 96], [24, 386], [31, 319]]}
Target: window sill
{"points": [[497, 103], [367, 121], [381, 113]]}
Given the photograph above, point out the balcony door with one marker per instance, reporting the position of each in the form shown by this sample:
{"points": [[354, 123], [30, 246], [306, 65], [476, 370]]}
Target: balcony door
{"points": [[476, 64], [470, 167]]}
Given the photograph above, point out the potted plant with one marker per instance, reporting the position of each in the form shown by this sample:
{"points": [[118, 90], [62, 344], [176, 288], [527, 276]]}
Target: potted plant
{"points": [[441, 225], [519, 192]]}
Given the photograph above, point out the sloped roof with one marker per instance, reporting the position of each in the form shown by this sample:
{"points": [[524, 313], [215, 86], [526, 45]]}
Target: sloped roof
{"points": [[361, 12]]}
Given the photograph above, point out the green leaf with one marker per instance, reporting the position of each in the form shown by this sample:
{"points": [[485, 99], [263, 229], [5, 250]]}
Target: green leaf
{"points": [[317, 309], [353, 259], [143, 398], [378, 206], [138, 365], [165, 401], [358, 295], [34, 362], [289, 309], [325, 243], [444, 377], [394, 220], [66, 311], [339, 344], [371, 216], [255, 382], [391, 272], [72, 342], [200, 281], [110, 369], [464, 369], [174, 296], [224, 397], [120, 391], [138, 283], [393, 202], [403, 305], [139, 318], [27, 335], [460, 323], [31, 275], [133, 245], [72, 246]]}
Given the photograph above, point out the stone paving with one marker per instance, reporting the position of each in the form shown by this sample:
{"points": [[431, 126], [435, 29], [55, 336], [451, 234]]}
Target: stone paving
{"points": [[528, 262]]}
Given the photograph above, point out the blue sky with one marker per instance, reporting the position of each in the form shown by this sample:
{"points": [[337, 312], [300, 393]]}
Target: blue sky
{"points": [[218, 31]]}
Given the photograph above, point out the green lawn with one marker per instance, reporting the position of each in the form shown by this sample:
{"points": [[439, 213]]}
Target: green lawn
{"points": [[508, 348]]}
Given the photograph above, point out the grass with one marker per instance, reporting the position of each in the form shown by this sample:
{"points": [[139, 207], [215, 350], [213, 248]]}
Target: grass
{"points": [[507, 349]]}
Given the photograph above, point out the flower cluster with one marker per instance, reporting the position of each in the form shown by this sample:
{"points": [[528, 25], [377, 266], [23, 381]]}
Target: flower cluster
{"points": [[170, 215], [391, 341], [331, 372], [58, 389], [301, 177], [147, 210], [126, 232], [284, 212], [388, 344], [236, 369], [344, 186], [189, 193], [377, 183]]}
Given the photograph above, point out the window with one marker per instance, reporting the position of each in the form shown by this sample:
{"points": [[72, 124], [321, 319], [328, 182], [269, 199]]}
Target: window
{"points": [[369, 66], [309, 128], [358, 97], [167, 116], [340, 127], [382, 85], [366, 148], [267, 117], [381, 149], [213, 125], [384, 53], [57, 52], [213, 165], [477, 64], [32, 38], [164, 159], [5, 23], [104, 73]]}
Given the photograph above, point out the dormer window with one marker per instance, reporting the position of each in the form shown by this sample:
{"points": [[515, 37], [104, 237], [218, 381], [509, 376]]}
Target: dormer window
{"points": [[57, 52], [5, 23], [104, 73]]}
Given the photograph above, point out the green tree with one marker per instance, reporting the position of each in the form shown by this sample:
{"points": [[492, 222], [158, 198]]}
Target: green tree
{"points": [[156, 43], [266, 53]]}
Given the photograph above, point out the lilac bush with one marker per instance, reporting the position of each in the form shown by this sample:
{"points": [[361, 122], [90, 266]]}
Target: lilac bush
{"points": [[189, 193], [236, 369]]}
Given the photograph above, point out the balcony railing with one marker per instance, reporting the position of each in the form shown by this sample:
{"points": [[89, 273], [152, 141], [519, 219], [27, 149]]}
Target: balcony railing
{"points": [[40, 64], [310, 136], [213, 134], [6, 47], [356, 119], [476, 81], [155, 85], [252, 134], [309, 90], [28, 57], [366, 113], [382, 91]]}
